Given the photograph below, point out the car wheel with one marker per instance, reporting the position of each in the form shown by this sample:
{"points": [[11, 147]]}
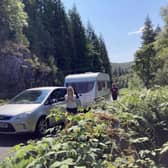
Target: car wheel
{"points": [[86, 110], [42, 126]]}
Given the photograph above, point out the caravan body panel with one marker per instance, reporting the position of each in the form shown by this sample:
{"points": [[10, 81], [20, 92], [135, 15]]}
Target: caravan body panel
{"points": [[89, 86]]}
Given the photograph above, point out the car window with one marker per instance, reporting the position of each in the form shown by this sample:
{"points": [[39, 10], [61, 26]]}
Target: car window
{"points": [[30, 97], [58, 94]]}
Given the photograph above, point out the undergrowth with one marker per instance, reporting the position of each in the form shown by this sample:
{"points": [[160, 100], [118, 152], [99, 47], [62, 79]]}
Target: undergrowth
{"points": [[129, 133]]}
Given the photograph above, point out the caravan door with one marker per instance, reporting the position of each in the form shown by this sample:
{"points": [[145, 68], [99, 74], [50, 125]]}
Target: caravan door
{"points": [[85, 90]]}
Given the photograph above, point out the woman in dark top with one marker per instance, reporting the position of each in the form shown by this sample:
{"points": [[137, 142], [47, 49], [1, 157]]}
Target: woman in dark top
{"points": [[114, 91]]}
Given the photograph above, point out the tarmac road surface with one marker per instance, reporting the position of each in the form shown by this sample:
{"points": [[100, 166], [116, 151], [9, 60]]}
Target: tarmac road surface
{"points": [[7, 142]]}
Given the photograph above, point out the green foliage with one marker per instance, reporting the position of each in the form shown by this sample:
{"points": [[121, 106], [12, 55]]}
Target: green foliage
{"points": [[79, 60], [151, 59], [129, 133], [146, 62], [104, 55], [12, 20], [161, 77], [53, 43], [97, 52], [60, 40], [161, 47], [148, 32], [135, 82], [163, 153], [121, 73], [2, 102]]}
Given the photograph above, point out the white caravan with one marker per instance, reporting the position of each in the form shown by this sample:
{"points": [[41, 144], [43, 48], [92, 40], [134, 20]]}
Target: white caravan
{"points": [[89, 86]]}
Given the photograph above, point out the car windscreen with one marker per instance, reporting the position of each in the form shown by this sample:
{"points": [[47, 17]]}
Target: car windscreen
{"points": [[81, 87], [30, 97]]}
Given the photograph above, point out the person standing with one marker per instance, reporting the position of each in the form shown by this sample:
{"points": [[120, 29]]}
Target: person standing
{"points": [[71, 102], [114, 91]]}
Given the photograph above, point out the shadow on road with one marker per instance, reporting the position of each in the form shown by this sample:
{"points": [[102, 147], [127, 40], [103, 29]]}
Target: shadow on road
{"points": [[12, 140], [8, 141]]}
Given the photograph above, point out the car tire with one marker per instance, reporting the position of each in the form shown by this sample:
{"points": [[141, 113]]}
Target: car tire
{"points": [[41, 127], [86, 110]]}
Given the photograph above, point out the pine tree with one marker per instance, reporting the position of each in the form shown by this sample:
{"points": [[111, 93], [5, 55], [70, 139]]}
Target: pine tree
{"points": [[61, 41], [93, 50], [104, 57], [148, 35], [36, 33], [58, 27], [157, 30], [79, 60], [145, 56], [49, 33]]}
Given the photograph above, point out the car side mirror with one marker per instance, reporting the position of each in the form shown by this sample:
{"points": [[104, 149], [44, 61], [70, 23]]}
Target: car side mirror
{"points": [[61, 99]]}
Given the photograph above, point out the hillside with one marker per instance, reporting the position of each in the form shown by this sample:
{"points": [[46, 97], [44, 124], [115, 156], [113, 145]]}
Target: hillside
{"points": [[56, 41], [123, 65], [121, 73], [20, 70]]}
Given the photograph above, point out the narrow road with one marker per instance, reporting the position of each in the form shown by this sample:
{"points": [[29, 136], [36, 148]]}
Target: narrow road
{"points": [[7, 142]]}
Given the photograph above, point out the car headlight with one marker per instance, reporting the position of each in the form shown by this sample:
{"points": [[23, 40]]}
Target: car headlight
{"points": [[21, 116]]}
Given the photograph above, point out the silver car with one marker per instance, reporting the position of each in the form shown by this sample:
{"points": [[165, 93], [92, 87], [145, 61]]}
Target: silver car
{"points": [[28, 110]]}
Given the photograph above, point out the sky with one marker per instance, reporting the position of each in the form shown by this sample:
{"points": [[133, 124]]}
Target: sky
{"points": [[120, 22]]}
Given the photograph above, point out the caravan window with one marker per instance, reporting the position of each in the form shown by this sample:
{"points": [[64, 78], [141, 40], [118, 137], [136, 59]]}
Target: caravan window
{"points": [[82, 87], [101, 85], [108, 84]]}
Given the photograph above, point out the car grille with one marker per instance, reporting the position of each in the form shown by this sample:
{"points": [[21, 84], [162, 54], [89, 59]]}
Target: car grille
{"points": [[3, 117], [9, 129]]}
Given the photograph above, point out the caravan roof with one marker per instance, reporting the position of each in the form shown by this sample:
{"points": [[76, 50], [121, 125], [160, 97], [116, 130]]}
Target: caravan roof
{"points": [[89, 76]]}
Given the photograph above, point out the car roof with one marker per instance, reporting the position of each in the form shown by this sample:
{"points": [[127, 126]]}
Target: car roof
{"points": [[47, 88]]}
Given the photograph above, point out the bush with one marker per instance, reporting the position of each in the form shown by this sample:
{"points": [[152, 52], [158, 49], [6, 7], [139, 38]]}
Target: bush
{"points": [[128, 133], [2, 102], [135, 82]]}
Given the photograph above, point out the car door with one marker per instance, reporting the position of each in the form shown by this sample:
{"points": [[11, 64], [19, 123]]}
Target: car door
{"points": [[58, 95]]}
